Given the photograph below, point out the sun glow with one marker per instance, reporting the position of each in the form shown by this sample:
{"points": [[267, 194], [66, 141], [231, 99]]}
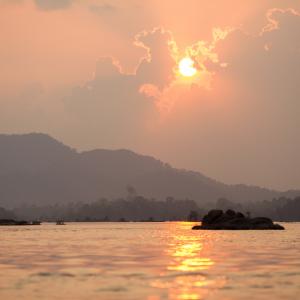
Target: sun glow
{"points": [[186, 67]]}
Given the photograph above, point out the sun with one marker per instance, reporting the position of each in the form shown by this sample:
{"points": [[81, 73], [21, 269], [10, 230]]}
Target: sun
{"points": [[186, 67]]}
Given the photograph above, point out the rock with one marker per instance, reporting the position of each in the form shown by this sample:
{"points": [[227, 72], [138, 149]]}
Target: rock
{"points": [[240, 215], [212, 216], [278, 227], [260, 220], [22, 223], [9, 222], [230, 213], [231, 220], [196, 227]]}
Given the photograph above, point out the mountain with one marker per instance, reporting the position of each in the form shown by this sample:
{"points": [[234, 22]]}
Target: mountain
{"points": [[37, 169]]}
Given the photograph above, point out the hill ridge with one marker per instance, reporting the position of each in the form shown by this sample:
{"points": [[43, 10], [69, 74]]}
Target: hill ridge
{"points": [[38, 169]]}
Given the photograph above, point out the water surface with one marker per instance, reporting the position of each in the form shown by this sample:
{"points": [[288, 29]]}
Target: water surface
{"points": [[152, 261]]}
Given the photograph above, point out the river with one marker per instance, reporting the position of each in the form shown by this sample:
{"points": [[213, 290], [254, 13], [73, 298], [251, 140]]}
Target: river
{"points": [[153, 261]]}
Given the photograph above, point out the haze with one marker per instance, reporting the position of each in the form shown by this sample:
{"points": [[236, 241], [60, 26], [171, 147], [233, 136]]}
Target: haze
{"points": [[104, 74]]}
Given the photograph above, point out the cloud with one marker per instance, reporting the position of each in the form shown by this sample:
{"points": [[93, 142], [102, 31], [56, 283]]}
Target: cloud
{"points": [[202, 52], [53, 4], [268, 64], [111, 103], [158, 65]]}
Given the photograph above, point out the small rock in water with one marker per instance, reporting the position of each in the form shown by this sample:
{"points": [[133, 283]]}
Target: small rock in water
{"points": [[231, 220], [8, 222]]}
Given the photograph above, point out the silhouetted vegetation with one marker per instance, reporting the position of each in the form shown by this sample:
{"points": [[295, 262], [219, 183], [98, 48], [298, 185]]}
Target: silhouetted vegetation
{"points": [[6, 214], [134, 208], [281, 209], [193, 216], [138, 208]]}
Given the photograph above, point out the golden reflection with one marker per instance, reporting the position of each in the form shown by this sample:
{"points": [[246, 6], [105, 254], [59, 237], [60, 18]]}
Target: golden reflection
{"points": [[186, 274], [194, 264], [186, 254]]}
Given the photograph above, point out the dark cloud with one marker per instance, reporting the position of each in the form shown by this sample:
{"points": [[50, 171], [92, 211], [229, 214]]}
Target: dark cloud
{"points": [[53, 4], [111, 105]]}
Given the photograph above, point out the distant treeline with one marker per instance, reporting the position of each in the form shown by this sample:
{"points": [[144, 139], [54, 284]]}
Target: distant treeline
{"points": [[281, 209], [130, 209], [138, 208]]}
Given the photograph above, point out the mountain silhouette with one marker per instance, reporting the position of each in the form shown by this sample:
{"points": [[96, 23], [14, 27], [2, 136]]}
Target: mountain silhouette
{"points": [[37, 169]]}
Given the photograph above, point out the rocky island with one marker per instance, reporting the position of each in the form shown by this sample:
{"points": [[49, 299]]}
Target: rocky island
{"points": [[230, 220], [9, 222]]}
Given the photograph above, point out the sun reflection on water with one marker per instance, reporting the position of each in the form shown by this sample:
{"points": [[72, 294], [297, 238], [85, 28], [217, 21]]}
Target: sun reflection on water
{"points": [[187, 254], [188, 262]]}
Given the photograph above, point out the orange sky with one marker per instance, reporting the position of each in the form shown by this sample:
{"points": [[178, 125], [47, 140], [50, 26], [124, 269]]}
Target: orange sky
{"points": [[236, 116], [62, 46]]}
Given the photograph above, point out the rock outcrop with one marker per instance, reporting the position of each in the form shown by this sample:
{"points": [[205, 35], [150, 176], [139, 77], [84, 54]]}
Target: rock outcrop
{"points": [[231, 220], [7, 222]]}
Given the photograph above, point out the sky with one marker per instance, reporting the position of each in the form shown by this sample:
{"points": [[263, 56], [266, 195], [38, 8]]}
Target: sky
{"points": [[105, 74]]}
